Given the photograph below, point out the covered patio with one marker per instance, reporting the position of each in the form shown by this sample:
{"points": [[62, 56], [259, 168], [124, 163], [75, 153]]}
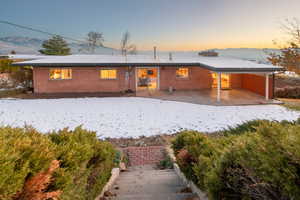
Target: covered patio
{"points": [[231, 97]]}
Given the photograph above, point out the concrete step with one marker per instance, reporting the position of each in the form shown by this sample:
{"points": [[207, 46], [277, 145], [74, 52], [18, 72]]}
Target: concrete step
{"points": [[148, 189], [171, 196], [147, 183], [138, 179]]}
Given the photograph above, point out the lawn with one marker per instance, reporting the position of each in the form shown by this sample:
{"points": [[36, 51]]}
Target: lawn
{"points": [[291, 104], [130, 116]]}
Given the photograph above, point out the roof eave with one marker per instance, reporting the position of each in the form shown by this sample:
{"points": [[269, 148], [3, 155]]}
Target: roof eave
{"points": [[102, 64], [211, 68], [236, 70]]}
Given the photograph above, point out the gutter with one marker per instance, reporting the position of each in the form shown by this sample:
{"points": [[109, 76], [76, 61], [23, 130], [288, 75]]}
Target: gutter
{"points": [[211, 68]]}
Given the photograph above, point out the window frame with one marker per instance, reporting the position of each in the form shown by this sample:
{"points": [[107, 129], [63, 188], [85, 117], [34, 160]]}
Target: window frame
{"points": [[183, 78], [60, 68], [108, 78]]}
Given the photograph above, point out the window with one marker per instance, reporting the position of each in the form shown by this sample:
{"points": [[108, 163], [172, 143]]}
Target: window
{"points": [[182, 72], [60, 74], [108, 74]]}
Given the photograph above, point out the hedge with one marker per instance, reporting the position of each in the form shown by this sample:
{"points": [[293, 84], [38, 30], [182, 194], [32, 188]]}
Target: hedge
{"points": [[65, 164], [259, 164], [288, 92]]}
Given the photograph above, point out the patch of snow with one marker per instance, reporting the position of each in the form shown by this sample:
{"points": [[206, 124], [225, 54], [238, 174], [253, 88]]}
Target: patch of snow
{"points": [[131, 116], [291, 74], [29, 56]]}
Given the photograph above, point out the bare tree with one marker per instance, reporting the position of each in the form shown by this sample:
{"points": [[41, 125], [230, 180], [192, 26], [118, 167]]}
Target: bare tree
{"points": [[94, 39], [289, 56], [127, 48], [292, 29]]}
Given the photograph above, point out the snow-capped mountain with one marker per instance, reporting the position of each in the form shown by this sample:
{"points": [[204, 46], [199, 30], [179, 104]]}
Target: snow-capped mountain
{"points": [[27, 45], [252, 54]]}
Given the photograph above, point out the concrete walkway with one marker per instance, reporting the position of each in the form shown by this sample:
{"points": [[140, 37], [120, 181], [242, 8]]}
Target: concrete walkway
{"points": [[231, 97], [146, 183]]}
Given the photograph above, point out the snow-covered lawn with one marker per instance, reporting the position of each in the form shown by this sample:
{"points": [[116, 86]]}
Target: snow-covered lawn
{"points": [[130, 116]]}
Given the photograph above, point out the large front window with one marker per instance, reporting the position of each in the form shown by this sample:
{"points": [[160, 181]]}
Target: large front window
{"points": [[60, 74], [108, 73], [182, 72]]}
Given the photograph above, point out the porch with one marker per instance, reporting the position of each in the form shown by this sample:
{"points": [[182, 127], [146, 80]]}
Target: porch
{"points": [[230, 97]]}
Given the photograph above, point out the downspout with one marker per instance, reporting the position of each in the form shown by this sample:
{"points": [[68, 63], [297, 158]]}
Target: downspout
{"points": [[33, 80], [129, 69], [273, 86]]}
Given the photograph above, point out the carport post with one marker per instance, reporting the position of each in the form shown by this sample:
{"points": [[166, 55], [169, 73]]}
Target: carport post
{"points": [[219, 87], [267, 87]]}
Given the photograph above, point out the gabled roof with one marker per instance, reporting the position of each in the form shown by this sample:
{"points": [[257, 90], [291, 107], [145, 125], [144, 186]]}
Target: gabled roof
{"points": [[218, 64]]}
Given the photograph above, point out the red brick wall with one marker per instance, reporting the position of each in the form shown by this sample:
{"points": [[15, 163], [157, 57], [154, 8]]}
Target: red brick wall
{"points": [[256, 83], [235, 81], [199, 78], [144, 155], [84, 79]]}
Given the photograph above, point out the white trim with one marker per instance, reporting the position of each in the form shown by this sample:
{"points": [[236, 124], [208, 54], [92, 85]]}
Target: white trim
{"points": [[158, 76], [267, 87], [219, 86], [246, 72]]}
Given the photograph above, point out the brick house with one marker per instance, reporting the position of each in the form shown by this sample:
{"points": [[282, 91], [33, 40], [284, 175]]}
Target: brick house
{"points": [[104, 73]]}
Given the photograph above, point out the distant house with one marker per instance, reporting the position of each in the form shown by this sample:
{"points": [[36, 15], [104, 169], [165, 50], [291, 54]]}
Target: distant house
{"points": [[112, 73]]}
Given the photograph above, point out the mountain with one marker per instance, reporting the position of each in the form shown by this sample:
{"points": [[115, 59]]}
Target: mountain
{"points": [[252, 54], [27, 45]]}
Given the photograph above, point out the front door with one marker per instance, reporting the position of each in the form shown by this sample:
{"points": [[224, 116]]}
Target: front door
{"points": [[225, 81], [147, 78]]}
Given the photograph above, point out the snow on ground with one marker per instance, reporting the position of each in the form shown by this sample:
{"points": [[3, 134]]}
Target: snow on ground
{"points": [[130, 116]]}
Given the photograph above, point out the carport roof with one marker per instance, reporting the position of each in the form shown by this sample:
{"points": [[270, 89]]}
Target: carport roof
{"points": [[217, 64]]}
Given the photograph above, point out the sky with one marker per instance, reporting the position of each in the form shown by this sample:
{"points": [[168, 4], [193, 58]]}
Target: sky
{"points": [[168, 24]]}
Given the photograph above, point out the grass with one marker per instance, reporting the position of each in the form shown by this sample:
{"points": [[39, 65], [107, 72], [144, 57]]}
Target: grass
{"points": [[291, 104], [11, 93]]}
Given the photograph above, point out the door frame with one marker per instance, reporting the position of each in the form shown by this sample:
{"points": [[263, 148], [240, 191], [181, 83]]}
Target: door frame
{"points": [[145, 67]]}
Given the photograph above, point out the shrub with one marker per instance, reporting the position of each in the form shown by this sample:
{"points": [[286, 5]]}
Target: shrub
{"points": [[85, 164], [36, 187], [288, 92], [264, 165], [166, 163], [195, 152], [23, 153], [260, 164], [249, 126], [22, 77]]}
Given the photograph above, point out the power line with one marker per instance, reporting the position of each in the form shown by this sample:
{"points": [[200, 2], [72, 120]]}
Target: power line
{"points": [[39, 31]]}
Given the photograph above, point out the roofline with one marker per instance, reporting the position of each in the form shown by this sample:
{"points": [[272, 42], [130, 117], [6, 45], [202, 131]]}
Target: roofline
{"points": [[211, 68]]}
